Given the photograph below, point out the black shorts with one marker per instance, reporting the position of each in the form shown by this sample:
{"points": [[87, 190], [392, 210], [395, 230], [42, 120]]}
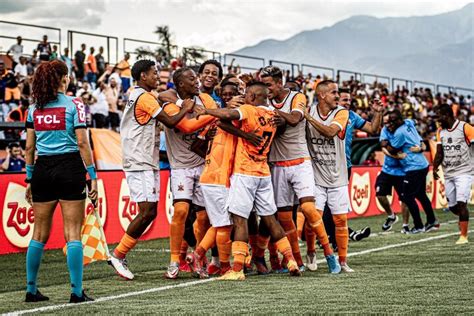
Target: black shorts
{"points": [[385, 182], [59, 177]]}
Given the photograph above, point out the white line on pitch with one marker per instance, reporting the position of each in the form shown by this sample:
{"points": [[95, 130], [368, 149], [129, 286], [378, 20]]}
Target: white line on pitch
{"points": [[187, 284]]}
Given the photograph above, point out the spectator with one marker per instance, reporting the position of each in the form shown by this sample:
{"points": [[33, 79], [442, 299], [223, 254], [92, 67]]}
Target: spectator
{"points": [[44, 49], [54, 54], [17, 50], [91, 68], [100, 109], [125, 72], [67, 60], [19, 113], [112, 93], [100, 60], [85, 88], [371, 161], [79, 58], [12, 91], [21, 69], [14, 162]]}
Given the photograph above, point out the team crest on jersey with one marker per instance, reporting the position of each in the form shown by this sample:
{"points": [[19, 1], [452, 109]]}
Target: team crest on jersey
{"points": [[181, 187]]}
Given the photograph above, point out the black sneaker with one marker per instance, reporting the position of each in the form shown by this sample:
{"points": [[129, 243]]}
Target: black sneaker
{"points": [[415, 230], [405, 229], [38, 297], [361, 234], [387, 226], [80, 299], [432, 226]]}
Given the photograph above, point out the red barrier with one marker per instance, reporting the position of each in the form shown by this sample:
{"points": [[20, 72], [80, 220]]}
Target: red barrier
{"points": [[117, 210]]}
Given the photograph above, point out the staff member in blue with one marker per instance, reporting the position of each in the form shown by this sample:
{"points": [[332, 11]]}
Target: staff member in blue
{"points": [[56, 129]]}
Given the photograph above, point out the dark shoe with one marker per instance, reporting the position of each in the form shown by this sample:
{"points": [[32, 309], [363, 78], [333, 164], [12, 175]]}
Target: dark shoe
{"points": [[38, 297], [387, 226], [80, 299], [432, 226], [361, 234]]}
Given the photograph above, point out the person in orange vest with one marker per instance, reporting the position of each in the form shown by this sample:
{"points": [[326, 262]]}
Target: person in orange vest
{"points": [[18, 114]]}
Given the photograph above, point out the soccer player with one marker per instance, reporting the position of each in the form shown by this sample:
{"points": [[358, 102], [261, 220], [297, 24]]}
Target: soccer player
{"points": [[325, 133], [454, 153], [186, 165], [141, 148], [250, 185], [292, 172], [210, 74], [415, 165], [391, 177]]}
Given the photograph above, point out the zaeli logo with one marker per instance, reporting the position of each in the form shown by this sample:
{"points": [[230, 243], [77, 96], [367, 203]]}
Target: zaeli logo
{"points": [[430, 185], [360, 192], [127, 209], [102, 203], [18, 217]]}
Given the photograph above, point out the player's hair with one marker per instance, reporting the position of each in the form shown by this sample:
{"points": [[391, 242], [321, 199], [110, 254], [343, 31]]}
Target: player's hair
{"points": [[445, 109], [46, 82], [212, 62], [140, 66], [178, 74], [344, 90], [13, 145], [294, 82], [323, 85], [229, 83], [257, 85], [398, 115], [271, 71]]}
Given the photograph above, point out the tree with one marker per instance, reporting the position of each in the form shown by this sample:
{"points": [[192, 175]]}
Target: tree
{"points": [[165, 37]]}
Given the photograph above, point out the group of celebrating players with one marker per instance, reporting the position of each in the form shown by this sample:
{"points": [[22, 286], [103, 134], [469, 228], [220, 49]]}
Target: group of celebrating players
{"points": [[241, 171]]}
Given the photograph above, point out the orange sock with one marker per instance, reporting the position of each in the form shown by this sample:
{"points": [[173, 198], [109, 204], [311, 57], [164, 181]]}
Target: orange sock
{"points": [[299, 223], [315, 222], [181, 210], [240, 250], [310, 239], [342, 235], [253, 242], [463, 226], [262, 244], [224, 244], [207, 242], [286, 221], [284, 247], [201, 225], [273, 250], [184, 250], [125, 245]]}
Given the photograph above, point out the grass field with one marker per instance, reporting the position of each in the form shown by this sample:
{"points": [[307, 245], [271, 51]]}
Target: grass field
{"points": [[395, 273]]}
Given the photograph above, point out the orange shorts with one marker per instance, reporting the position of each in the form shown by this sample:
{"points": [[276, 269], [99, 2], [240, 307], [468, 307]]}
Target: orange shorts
{"points": [[12, 94]]}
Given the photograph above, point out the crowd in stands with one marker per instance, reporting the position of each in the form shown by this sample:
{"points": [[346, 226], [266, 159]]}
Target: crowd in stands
{"points": [[103, 87]]}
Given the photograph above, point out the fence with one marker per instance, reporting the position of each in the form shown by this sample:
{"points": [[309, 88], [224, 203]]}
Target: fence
{"points": [[318, 70], [294, 69], [74, 37], [249, 63]]}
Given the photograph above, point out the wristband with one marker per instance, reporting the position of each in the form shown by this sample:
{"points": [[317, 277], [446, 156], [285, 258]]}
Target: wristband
{"points": [[179, 102], [29, 171], [91, 172]]}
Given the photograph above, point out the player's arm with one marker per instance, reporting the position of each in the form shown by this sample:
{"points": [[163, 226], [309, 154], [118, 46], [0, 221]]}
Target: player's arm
{"points": [[374, 126], [187, 125], [298, 108], [469, 133], [399, 155], [439, 156], [172, 121], [223, 114], [337, 125], [252, 138]]}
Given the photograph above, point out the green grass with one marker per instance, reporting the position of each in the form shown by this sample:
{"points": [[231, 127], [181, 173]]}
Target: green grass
{"points": [[433, 277]]}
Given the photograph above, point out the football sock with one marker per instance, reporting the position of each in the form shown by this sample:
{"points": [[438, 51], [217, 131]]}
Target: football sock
{"points": [[224, 244], [126, 244], [262, 244], [207, 242], [33, 260], [310, 239], [74, 264], [284, 247], [240, 250], [184, 250], [181, 210], [299, 223], [253, 242], [286, 221], [201, 225], [315, 222], [342, 236], [463, 227]]}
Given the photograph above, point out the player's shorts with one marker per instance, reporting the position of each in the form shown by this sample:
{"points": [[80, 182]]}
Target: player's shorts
{"points": [[289, 181], [185, 184], [12, 94], [247, 193], [458, 189], [59, 177], [144, 186], [385, 182], [337, 199], [215, 198]]}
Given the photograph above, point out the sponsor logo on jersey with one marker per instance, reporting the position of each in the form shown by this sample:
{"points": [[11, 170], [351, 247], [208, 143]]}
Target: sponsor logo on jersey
{"points": [[52, 119]]}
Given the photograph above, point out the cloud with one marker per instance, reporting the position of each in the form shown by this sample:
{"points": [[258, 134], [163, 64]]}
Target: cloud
{"points": [[12, 6]]}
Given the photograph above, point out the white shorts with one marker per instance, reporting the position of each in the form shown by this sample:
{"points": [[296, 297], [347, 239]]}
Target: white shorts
{"points": [[247, 193], [458, 189], [144, 186], [336, 198], [185, 184], [215, 198], [293, 180]]}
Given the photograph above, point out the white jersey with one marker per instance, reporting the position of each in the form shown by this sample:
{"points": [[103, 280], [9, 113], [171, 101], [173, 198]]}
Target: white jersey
{"points": [[328, 155]]}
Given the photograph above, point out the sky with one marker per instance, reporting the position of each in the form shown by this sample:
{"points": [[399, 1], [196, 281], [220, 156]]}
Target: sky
{"points": [[224, 26]]}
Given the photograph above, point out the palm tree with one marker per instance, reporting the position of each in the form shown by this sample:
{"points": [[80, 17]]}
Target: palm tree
{"points": [[164, 36], [193, 55]]}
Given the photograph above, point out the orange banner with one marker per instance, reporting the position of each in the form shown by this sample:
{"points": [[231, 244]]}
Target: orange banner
{"points": [[107, 149]]}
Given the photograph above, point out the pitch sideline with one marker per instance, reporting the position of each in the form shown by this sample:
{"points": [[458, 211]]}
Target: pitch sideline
{"points": [[187, 284]]}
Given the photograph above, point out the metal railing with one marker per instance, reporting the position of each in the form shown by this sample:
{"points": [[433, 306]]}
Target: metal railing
{"points": [[385, 79], [70, 43], [194, 56], [292, 67], [318, 70], [251, 63]]}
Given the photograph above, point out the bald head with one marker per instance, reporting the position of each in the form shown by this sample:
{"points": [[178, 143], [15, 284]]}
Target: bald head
{"points": [[256, 93]]}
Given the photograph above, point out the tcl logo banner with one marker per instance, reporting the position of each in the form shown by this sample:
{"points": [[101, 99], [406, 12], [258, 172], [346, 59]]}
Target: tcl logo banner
{"points": [[116, 210], [52, 119]]}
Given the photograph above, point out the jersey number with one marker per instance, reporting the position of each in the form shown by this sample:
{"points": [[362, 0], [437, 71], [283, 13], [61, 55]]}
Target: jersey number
{"points": [[266, 141]]}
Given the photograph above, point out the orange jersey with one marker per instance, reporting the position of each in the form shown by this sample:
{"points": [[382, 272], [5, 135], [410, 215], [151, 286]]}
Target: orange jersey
{"points": [[219, 159], [147, 107], [251, 160]]}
